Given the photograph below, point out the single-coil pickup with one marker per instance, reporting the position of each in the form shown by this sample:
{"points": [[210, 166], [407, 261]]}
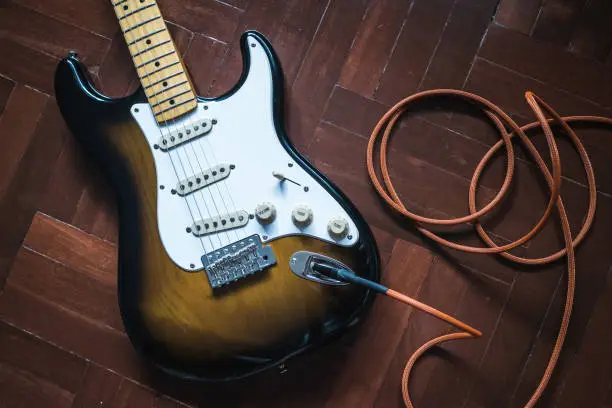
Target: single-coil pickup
{"points": [[185, 134], [201, 180], [220, 223]]}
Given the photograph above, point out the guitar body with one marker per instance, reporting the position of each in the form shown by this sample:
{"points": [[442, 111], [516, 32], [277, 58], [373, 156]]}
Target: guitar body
{"points": [[171, 311]]}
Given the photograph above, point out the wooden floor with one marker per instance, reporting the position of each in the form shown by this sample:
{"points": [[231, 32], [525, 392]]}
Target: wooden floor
{"points": [[345, 62]]}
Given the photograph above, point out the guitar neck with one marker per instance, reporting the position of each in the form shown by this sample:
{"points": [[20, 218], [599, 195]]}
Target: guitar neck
{"points": [[158, 63]]}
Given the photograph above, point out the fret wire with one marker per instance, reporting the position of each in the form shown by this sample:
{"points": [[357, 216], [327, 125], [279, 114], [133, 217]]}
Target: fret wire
{"points": [[150, 48], [141, 24], [155, 52], [136, 11], [173, 106], [164, 79], [160, 69], [161, 30], [174, 86], [157, 57], [171, 97]]}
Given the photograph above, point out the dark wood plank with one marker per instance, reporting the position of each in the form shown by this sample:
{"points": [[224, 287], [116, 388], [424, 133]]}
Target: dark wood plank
{"points": [[586, 372], [132, 395], [506, 88], [70, 331], [548, 63], [521, 320], [416, 44], [370, 359], [557, 20], [17, 127], [98, 388], [458, 45], [203, 59], [519, 15], [481, 307], [443, 289], [290, 27], [31, 29], [67, 181], [6, 87], [27, 66], [208, 17], [21, 389], [93, 15], [73, 248], [322, 67], [592, 37], [373, 44], [93, 296], [40, 359]]}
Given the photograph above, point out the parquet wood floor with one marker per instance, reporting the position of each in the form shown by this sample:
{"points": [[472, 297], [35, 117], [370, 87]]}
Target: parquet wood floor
{"points": [[346, 62]]}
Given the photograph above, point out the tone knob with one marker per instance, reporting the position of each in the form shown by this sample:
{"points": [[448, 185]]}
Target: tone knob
{"points": [[265, 213], [337, 228], [301, 216]]}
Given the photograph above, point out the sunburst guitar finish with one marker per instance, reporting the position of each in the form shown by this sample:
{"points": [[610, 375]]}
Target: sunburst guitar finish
{"points": [[177, 312]]}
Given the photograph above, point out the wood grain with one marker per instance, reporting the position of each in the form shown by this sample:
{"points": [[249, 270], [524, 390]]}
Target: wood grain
{"points": [[346, 62]]}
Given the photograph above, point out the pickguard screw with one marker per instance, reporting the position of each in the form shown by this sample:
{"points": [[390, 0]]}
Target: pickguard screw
{"points": [[265, 237], [282, 368], [306, 188], [136, 110], [349, 237], [161, 187], [253, 45], [214, 121], [232, 166], [188, 229], [156, 146], [290, 164], [191, 266], [205, 107]]}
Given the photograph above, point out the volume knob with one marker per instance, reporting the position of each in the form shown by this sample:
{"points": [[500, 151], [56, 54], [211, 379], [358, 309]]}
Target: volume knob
{"points": [[337, 228], [265, 212], [301, 216]]}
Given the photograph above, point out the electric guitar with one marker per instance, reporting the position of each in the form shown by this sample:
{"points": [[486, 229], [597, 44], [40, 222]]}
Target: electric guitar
{"points": [[221, 219]]}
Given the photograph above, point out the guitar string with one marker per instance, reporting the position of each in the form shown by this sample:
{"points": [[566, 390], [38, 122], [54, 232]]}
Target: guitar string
{"points": [[169, 152], [208, 164], [215, 162], [189, 161]]}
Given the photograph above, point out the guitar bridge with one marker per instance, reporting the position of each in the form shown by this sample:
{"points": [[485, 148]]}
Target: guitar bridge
{"points": [[237, 260]]}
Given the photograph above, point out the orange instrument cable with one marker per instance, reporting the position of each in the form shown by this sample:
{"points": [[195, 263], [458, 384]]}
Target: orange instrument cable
{"points": [[503, 122]]}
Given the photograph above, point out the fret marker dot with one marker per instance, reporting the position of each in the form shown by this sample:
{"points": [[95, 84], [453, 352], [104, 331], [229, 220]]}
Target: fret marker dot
{"points": [[172, 103], [165, 83], [125, 7], [148, 42], [157, 63]]}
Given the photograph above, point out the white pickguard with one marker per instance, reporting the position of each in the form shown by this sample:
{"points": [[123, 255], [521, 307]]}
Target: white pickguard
{"points": [[245, 136]]}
